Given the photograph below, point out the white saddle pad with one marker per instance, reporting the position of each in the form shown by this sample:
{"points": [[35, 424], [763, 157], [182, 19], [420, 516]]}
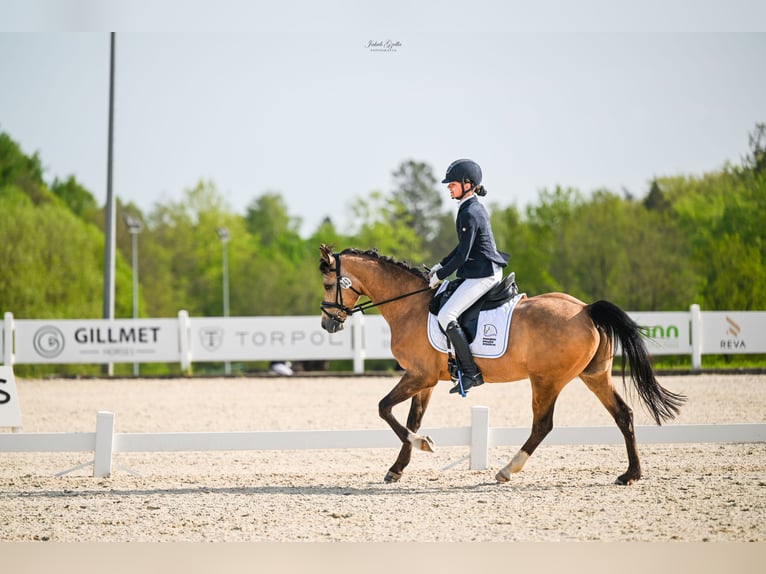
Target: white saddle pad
{"points": [[492, 331]]}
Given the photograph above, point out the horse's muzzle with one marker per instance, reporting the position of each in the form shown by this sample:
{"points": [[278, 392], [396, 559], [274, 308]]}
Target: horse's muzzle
{"points": [[332, 324]]}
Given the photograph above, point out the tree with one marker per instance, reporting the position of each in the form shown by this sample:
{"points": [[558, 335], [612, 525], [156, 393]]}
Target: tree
{"points": [[22, 171], [76, 197], [52, 262], [755, 161], [382, 224], [267, 218], [182, 254], [415, 189]]}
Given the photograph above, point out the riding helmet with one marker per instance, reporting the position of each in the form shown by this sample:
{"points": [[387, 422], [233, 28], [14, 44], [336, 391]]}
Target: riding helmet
{"points": [[463, 169]]}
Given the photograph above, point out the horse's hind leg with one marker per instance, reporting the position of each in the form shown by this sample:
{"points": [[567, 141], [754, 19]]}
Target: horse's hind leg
{"points": [[602, 387], [418, 408], [544, 397]]}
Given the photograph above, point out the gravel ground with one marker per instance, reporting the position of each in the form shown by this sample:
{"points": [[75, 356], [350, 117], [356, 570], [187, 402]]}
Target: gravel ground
{"points": [[690, 492]]}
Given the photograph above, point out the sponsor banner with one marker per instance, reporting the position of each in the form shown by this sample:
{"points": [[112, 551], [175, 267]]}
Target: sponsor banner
{"points": [[266, 339], [665, 333], [97, 341], [377, 338], [733, 332], [10, 410]]}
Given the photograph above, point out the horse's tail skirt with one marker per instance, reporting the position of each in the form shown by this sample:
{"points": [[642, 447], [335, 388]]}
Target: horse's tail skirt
{"points": [[663, 404]]}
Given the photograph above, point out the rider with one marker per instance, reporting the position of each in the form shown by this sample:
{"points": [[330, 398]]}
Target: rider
{"points": [[476, 259]]}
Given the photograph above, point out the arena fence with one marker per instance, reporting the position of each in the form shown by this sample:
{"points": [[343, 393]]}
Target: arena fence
{"points": [[104, 443]]}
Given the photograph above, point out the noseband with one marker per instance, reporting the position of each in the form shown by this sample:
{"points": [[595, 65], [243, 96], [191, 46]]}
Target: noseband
{"points": [[341, 283]]}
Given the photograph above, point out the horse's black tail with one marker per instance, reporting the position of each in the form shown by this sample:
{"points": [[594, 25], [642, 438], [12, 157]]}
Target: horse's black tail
{"points": [[663, 404]]}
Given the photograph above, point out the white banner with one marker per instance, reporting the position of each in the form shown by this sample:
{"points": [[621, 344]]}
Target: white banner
{"points": [[377, 338], [97, 341], [733, 332], [665, 333], [266, 339], [10, 410], [219, 339]]}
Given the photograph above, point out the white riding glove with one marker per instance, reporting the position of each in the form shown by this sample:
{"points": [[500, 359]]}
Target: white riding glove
{"points": [[433, 279]]}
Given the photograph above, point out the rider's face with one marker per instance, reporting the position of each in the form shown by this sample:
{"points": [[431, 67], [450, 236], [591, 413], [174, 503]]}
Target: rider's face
{"points": [[456, 189]]}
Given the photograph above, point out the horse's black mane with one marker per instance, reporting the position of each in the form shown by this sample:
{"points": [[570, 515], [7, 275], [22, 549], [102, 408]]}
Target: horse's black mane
{"points": [[373, 253]]}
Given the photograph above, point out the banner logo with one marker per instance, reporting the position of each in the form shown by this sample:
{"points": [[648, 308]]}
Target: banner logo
{"points": [[734, 328], [733, 341], [211, 338], [48, 342]]}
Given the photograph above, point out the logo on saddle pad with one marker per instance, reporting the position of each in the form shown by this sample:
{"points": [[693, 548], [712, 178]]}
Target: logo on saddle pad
{"points": [[492, 331], [489, 337]]}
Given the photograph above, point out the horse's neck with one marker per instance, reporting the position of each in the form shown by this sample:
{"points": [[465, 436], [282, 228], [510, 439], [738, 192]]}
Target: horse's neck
{"points": [[382, 284]]}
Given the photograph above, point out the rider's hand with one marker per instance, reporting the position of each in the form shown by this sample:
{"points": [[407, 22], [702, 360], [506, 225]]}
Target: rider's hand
{"points": [[434, 269], [434, 281]]}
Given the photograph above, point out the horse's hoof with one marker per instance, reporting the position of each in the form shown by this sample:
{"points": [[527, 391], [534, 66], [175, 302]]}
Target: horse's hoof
{"points": [[501, 477], [392, 477], [625, 481], [427, 445]]}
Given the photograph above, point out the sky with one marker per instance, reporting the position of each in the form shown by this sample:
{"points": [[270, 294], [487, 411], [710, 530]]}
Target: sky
{"points": [[294, 97]]}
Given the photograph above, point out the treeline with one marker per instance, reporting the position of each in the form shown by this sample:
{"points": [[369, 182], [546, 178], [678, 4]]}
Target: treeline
{"points": [[689, 239]]}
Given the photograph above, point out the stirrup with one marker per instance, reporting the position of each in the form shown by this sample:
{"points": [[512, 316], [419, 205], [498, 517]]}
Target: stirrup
{"points": [[470, 382]]}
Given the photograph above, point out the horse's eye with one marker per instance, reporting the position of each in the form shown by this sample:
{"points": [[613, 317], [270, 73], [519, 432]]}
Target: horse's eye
{"points": [[327, 286]]}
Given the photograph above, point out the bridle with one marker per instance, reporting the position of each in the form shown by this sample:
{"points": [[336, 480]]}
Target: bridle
{"points": [[341, 283]]}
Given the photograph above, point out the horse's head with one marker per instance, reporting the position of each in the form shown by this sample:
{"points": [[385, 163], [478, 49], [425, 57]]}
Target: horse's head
{"points": [[382, 279], [340, 294]]}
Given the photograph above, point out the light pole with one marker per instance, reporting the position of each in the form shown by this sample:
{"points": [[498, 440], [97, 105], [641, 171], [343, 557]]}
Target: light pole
{"points": [[223, 235], [134, 228]]}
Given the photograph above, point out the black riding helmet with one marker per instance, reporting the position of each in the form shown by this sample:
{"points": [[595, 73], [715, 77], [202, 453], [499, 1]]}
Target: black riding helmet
{"points": [[463, 170]]}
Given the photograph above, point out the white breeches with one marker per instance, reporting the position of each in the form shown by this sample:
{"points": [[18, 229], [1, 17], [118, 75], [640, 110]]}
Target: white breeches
{"points": [[466, 295]]}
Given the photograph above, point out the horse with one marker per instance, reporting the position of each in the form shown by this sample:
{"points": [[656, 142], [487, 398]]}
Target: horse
{"points": [[554, 338]]}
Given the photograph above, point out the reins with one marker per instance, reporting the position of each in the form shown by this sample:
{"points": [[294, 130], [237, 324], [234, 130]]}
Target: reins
{"points": [[345, 283]]}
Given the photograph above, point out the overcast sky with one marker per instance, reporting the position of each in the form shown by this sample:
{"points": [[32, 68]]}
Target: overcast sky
{"points": [[292, 98]]}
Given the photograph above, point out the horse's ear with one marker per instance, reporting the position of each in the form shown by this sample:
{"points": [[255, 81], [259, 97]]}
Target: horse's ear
{"points": [[326, 251]]}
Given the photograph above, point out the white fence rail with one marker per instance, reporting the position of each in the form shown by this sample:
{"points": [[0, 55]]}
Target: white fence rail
{"points": [[104, 443], [221, 339]]}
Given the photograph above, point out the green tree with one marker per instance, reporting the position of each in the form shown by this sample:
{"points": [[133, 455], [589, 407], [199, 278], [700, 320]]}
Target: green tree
{"points": [[183, 254], [415, 189], [755, 160], [268, 220], [22, 171], [53, 262], [76, 197], [382, 224]]}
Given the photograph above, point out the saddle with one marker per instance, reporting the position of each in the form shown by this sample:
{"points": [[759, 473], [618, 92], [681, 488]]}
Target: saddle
{"points": [[495, 297]]}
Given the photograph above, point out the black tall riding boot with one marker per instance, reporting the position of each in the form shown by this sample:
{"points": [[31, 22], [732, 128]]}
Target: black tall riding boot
{"points": [[471, 374]]}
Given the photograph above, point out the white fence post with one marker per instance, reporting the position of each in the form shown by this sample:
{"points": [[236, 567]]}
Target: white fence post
{"points": [[183, 340], [8, 339], [357, 324], [479, 437], [102, 461], [696, 336]]}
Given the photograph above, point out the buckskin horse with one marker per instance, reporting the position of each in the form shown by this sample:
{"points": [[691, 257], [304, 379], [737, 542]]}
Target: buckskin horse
{"points": [[554, 338]]}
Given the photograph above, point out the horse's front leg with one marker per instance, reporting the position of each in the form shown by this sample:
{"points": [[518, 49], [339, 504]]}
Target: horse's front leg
{"points": [[408, 386], [418, 408]]}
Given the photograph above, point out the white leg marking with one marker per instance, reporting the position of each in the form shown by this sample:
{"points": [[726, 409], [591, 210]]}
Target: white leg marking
{"points": [[415, 440], [516, 464], [518, 461]]}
